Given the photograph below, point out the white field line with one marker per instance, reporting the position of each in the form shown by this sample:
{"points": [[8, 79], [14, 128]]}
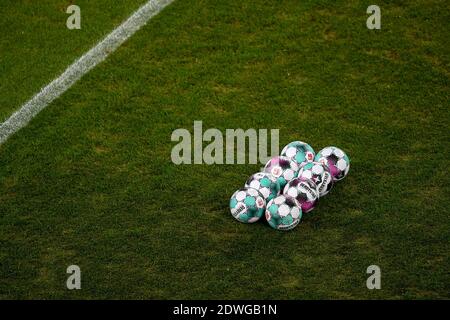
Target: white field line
{"points": [[80, 67]]}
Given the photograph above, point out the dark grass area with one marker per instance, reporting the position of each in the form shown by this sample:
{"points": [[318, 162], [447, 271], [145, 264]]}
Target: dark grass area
{"points": [[36, 46], [90, 181]]}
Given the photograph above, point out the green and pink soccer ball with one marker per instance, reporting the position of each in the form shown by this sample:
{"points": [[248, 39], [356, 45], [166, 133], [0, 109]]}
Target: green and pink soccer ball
{"points": [[299, 151], [283, 213], [247, 205], [304, 191], [283, 169], [336, 160], [320, 174], [265, 183]]}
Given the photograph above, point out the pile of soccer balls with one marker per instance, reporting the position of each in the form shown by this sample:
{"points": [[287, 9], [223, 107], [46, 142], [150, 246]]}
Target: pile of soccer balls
{"points": [[290, 185]]}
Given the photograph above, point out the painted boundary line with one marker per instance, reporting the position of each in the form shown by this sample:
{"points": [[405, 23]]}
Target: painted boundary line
{"points": [[80, 67]]}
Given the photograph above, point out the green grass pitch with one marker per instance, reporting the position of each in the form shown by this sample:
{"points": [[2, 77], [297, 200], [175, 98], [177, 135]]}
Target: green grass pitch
{"points": [[90, 181]]}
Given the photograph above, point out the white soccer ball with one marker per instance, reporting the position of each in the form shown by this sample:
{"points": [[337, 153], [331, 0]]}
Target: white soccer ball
{"points": [[304, 191], [247, 205], [283, 169], [283, 212], [265, 183], [336, 160], [299, 151], [320, 174]]}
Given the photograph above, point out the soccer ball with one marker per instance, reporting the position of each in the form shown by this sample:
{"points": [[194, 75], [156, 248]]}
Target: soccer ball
{"points": [[299, 152], [320, 174], [305, 191], [336, 160], [283, 213], [265, 183], [247, 205], [283, 169]]}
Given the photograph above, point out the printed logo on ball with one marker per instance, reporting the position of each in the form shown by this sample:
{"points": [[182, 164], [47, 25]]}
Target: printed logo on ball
{"points": [[276, 171], [240, 207], [303, 187], [326, 177], [325, 182], [287, 227], [260, 203], [309, 156]]}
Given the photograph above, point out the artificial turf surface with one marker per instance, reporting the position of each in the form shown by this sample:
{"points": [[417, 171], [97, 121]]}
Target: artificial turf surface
{"points": [[90, 180]]}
